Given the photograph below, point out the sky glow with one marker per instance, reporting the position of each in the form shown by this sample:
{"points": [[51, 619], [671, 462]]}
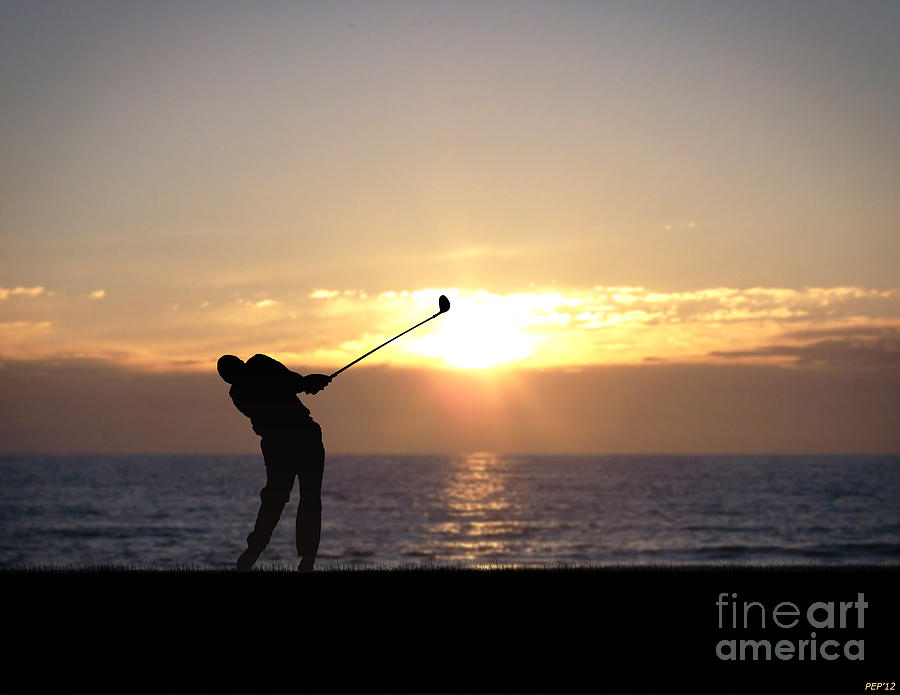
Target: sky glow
{"points": [[593, 185]]}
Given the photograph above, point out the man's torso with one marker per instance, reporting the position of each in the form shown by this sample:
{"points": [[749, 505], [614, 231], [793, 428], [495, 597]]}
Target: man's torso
{"points": [[268, 396]]}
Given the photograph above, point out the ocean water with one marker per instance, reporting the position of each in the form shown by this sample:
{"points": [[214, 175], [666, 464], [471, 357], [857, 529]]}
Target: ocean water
{"points": [[480, 509]]}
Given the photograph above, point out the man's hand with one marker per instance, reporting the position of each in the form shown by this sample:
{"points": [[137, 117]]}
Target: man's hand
{"points": [[313, 383]]}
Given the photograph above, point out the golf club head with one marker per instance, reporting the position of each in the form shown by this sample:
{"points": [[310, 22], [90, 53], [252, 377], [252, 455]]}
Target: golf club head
{"points": [[443, 304]]}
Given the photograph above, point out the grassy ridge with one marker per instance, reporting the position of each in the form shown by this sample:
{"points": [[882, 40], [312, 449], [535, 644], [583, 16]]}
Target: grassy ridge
{"points": [[419, 628], [333, 568]]}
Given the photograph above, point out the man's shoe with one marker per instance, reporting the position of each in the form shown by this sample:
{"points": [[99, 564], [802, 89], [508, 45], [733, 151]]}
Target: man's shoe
{"points": [[246, 560], [306, 565]]}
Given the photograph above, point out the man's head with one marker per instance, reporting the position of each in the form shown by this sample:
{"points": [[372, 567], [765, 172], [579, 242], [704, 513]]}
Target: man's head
{"points": [[230, 367]]}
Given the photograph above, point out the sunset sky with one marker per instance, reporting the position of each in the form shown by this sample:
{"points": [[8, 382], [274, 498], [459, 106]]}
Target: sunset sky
{"points": [[662, 226]]}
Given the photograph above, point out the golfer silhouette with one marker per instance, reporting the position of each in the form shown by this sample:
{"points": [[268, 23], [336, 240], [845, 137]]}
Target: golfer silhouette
{"points": [[266, 391]]}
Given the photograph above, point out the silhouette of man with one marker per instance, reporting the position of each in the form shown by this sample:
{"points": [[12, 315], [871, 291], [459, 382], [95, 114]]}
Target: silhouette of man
{"points": [[266, 391]]}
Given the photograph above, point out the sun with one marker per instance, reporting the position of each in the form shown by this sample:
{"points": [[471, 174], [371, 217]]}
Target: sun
{"points": [[477, 333]]}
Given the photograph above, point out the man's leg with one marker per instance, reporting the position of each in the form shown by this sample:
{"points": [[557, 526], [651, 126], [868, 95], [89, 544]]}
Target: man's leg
{"points": [[309, 511], [280, 474]]}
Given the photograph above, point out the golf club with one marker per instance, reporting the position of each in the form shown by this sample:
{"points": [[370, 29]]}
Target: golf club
{"points": [[443, 305]]}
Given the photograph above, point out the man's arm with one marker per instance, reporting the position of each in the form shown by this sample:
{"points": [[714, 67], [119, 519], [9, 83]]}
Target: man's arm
{"points": [[312, 383]]}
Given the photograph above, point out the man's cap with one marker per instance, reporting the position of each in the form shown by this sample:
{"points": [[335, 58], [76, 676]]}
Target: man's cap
{"points": [[229, 366]]}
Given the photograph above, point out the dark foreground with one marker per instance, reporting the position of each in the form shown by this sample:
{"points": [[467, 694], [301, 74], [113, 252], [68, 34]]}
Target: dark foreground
{"points": [[587, 630]]}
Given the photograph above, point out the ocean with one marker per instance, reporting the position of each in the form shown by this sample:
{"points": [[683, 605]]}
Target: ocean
{"points": [[476, 510]]}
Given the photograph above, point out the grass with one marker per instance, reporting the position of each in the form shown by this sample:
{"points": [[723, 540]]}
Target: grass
{"points": [[430, 567], [423, 627]]}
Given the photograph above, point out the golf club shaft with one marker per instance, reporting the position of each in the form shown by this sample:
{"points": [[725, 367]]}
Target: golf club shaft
{"points": [[383, 344]]}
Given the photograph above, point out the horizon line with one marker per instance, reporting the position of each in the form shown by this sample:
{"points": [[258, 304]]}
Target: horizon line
{"points": [[468, 453]]}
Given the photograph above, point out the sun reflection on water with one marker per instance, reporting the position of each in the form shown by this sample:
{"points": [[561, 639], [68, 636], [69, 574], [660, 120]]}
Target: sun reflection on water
{"points": [[480, 510]]}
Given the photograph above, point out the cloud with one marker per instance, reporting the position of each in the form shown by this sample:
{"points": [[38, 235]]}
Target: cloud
{"points": [[68, 405], [97, 294], [614, 323], [866, 348], [29, 292], [679, 226], [472, 253], [480, 253], [20, 337], [871, 331], [23, 325], [537, 327]]}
